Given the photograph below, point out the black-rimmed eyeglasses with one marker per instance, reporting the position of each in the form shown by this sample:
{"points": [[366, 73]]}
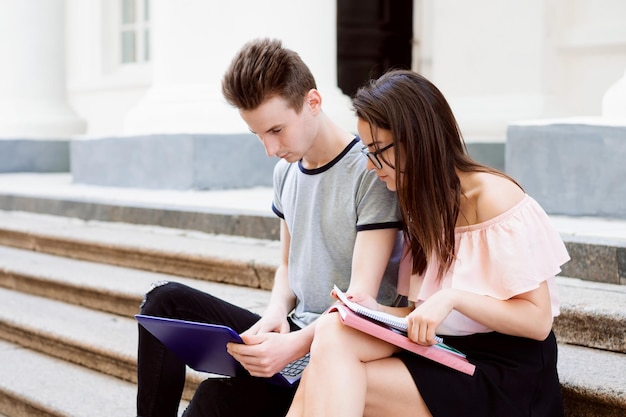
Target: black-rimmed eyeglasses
{"points": [[373, 156]]}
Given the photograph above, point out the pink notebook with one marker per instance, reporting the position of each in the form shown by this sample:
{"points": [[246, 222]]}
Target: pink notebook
{"points": [[435, 353]]}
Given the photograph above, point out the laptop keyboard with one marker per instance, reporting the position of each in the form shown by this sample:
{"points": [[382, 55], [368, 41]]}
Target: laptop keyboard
{"points": [[296, 367]]}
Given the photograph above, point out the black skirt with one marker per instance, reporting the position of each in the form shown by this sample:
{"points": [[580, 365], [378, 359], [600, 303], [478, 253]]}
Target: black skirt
{"points": [[514, 377]]}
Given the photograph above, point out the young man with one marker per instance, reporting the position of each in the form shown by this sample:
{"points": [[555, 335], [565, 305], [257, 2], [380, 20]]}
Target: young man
{"points": [[339, 225]]}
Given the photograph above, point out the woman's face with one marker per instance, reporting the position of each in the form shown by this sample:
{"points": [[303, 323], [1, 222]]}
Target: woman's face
{"points": [[382, 138]]}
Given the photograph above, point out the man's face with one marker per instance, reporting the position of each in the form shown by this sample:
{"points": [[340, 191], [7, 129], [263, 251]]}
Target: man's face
{"points": [[283, 132]]}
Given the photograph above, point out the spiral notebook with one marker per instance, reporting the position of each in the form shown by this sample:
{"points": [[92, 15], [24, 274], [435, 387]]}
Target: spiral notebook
{"points": [[395, 322], [393, 329], [202, 347]]}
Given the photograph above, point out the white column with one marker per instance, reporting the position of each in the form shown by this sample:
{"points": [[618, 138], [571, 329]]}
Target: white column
{"points": [[614, 101], [32, 75], [194, 42]]}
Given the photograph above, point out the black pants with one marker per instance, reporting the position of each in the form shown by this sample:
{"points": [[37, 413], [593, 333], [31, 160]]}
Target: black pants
{"points": [[161, 375]]}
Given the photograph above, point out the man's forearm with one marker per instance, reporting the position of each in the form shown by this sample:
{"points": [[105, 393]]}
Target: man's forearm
{"points": [[282, 297]]}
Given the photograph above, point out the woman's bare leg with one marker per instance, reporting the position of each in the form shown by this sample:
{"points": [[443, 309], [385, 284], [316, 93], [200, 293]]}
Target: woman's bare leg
{"points": [[391, 391], [335, 381], [297, 404]]}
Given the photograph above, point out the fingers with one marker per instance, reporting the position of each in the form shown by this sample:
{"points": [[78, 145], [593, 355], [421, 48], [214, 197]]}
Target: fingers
{"points": [[241, 353], [422, 331], [254, 356]]}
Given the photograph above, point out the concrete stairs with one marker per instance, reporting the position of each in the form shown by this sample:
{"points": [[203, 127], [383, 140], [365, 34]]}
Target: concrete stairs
{"points": [[69, 288], [66, 304]]}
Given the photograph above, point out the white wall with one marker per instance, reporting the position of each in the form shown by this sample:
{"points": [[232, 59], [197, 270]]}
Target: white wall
{"points": [[193, 43], [590, 51], [99, 89], [496, 60], [499, 61]]}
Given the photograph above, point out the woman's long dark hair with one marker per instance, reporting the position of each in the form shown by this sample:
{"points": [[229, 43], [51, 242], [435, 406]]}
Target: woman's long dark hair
{"points": [[428, 140]]}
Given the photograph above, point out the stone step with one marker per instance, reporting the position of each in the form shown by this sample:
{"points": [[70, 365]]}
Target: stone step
{"points": [[37, 385], [102, 287], [241, 212], [48, 325], [597, 248], [97, 340], [592, 382], [220, 258], [597, 245], [105, 344], [241, 260], [592, 313], [114, 263], [34, 384]]}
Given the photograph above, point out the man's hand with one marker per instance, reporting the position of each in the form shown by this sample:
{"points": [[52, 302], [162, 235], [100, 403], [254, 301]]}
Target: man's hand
{"points": [[273, 320], [264, 354]]}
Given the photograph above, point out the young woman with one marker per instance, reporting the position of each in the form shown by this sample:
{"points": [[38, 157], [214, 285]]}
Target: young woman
{"points": [[483, 256]]}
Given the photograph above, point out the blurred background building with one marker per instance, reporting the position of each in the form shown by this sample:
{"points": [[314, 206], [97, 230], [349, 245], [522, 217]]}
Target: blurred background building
{"points": [[127, 92]]}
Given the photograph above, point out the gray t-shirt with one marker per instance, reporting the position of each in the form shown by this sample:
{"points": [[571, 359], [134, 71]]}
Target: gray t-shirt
{"points": [[324, 208]]}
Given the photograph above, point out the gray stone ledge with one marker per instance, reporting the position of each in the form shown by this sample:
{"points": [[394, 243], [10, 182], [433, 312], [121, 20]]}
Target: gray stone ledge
{"points": [[601, 260], [172, 161], [488, 153], [570, 168], [34, 155], [594, 259], [228, 222]]}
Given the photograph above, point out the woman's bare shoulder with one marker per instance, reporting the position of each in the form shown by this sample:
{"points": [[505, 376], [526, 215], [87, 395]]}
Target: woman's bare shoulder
{"points": [[492, 195]]}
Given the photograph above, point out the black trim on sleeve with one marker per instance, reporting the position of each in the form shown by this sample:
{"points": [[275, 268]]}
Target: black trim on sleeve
{"points": [[378, 226], [277, 212]]}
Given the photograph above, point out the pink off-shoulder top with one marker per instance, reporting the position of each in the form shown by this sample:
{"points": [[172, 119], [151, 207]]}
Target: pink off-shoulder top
{"points": [[505, 256]]}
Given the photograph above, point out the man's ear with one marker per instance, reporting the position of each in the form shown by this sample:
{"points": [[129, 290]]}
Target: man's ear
{"points": [[313, 99]]}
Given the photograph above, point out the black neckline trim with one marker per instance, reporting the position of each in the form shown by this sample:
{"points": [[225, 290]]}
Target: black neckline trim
{"points": [[331, 163]]}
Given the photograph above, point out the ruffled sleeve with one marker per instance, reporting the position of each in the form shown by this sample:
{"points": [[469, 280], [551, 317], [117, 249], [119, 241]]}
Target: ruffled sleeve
{"points": [[505, 256]]}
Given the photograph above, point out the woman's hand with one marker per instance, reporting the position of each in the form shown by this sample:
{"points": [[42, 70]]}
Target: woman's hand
{"points": [[426, 317], [361, 298]]}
